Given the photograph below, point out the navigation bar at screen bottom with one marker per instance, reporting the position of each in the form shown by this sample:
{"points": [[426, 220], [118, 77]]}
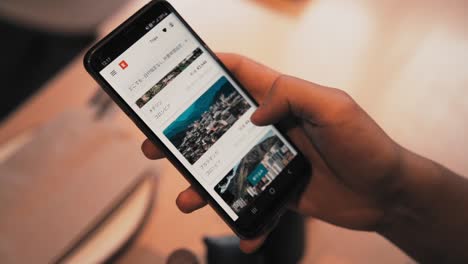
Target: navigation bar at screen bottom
{"points": [[264, 208], [255, 173]]}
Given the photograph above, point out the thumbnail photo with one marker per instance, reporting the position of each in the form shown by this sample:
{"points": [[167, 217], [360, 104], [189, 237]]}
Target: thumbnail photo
{"points": [[153, 91], [256, 170], [206, 120]]}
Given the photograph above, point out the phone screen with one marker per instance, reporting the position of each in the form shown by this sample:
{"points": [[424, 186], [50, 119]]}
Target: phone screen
{"points": [[171, 81]]}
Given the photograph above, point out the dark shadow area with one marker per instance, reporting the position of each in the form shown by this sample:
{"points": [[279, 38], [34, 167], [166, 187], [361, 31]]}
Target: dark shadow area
{"points": [[30, 57]]}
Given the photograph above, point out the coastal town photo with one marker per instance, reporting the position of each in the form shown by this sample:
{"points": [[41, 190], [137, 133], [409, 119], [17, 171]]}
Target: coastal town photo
{"points": [[206, 120]]}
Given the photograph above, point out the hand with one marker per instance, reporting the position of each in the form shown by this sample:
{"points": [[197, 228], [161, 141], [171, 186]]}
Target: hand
{"points": [[355, 164]]}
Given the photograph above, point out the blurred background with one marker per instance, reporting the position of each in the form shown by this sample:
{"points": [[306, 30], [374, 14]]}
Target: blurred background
{"points": [[403, 61]]}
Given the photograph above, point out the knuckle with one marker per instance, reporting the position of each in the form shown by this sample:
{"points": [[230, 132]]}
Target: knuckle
{"points": [[279, 84], [347, 103], [343, 106], [278, 89]]}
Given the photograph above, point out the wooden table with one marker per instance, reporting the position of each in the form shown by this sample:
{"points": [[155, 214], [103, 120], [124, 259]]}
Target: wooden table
{"points": [[403, 61]]}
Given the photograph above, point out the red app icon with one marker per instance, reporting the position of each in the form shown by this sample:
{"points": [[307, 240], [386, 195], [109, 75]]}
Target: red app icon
{"points": [[123, 64]]}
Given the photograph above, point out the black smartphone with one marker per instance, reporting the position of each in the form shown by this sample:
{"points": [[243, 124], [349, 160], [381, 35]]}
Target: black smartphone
{"points": [[175, 89]]}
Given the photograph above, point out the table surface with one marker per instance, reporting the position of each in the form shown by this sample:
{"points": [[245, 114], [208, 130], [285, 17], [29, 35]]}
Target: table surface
{"points": [[403, 61]]}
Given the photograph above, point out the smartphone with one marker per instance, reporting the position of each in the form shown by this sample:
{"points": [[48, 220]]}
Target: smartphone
{"points": [[175, 89]]}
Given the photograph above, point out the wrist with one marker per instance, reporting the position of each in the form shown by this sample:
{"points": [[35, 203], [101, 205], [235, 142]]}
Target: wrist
{"points": [[410, 217], [404, 202]]}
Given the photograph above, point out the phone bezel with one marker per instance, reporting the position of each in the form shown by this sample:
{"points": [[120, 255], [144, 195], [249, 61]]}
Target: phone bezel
{"points": [[299, 166]]}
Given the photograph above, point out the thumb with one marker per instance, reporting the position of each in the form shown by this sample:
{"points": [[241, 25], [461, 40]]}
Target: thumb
{"points": [[275, 106], [291, 96]]}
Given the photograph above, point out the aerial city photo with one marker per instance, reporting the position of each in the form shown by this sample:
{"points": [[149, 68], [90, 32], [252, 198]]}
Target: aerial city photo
{"points": [[206, 120], [158, 87], [256, 170]]}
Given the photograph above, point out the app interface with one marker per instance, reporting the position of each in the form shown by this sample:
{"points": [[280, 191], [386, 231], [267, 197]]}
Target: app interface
{"points": [[173, 84]]}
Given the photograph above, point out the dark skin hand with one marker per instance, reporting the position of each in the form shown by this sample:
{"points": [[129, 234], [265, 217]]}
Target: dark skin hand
{"points": [[362, 179]]}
